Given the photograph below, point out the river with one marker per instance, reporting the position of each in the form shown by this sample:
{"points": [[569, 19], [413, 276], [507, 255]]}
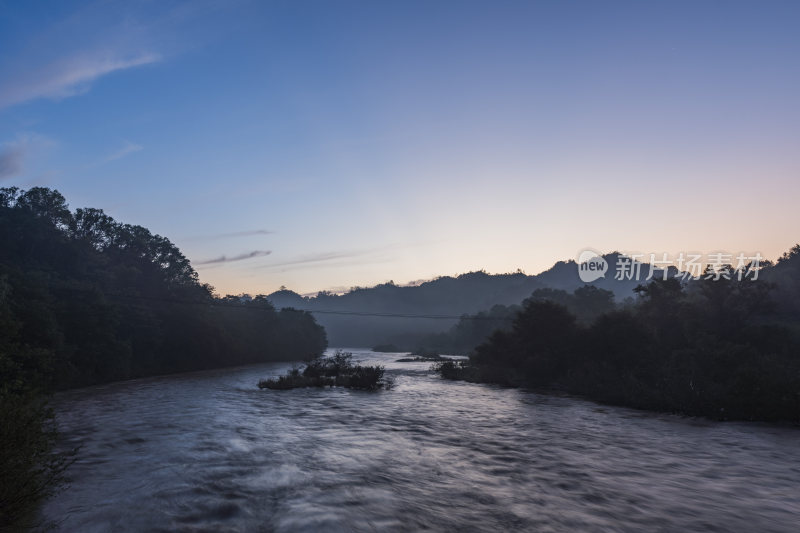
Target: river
{"points": [[209, 451]]}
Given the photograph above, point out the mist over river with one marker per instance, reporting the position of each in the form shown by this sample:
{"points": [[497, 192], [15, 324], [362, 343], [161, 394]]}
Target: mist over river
{"points": [[209, 451]]}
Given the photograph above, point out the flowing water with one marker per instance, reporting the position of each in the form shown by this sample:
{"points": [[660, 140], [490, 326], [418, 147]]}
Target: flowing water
{"points": [[209, 451]]}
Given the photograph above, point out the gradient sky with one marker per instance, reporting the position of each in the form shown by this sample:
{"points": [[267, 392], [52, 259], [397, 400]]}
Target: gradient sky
{"points": [[330, 144]]}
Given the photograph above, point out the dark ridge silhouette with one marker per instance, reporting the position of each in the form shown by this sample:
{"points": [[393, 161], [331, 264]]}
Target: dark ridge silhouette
{"points": [[563, 276], [722, 348], [467, 294], [85, 299]]}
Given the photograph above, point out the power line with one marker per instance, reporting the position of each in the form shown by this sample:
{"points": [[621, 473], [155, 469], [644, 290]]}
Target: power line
{"points": [[319, 311], [405, 315]]}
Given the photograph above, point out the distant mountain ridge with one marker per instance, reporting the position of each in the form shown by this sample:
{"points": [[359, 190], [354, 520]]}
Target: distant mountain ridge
{"points": [[444, 296]]}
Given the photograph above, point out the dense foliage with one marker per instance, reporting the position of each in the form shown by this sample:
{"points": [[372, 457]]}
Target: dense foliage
{"points": [[335, 371], [586, 303], [722, 348], [29, 469], [102, 300], [85, 299]]}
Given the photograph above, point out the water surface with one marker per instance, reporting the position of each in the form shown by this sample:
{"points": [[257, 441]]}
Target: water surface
{"points": [[210, 451]]}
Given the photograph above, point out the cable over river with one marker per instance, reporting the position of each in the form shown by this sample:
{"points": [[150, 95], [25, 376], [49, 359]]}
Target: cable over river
{"points": [[209, 451]]}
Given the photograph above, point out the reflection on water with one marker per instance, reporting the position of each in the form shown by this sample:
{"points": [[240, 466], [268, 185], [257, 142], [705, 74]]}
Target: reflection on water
{"points": [[211, 452]]}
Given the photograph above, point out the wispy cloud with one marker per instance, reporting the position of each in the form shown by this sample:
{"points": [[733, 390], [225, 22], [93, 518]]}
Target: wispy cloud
{"points": [[318, 258], [14, 155], [69, 50], [378, 254], [67, 76], [11, 158], [129, 148], [231, 235], [240, 257]]}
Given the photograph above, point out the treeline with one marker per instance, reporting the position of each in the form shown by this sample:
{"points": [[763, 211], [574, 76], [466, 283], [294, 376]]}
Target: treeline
{"points": [[102, 301], [466, 294], [452, 296], [586, 303], [724, 348], [85, 299]]}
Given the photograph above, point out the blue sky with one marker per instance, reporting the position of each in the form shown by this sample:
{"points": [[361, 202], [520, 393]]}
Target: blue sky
{"points": [[358, 142]]}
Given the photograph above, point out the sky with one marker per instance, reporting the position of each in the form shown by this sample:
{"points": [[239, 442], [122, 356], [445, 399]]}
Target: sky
{"points": [[324, 145]]}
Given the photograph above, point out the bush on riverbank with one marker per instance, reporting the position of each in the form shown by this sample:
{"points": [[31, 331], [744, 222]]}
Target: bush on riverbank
{"points": [[30, 469], [451, 369], [335, 371], [422, 356]]}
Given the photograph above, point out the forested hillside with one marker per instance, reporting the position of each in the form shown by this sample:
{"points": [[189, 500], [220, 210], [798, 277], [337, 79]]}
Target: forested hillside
{"points": [[724, 346], [85, 299], [100, 300], [349, 318]]}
